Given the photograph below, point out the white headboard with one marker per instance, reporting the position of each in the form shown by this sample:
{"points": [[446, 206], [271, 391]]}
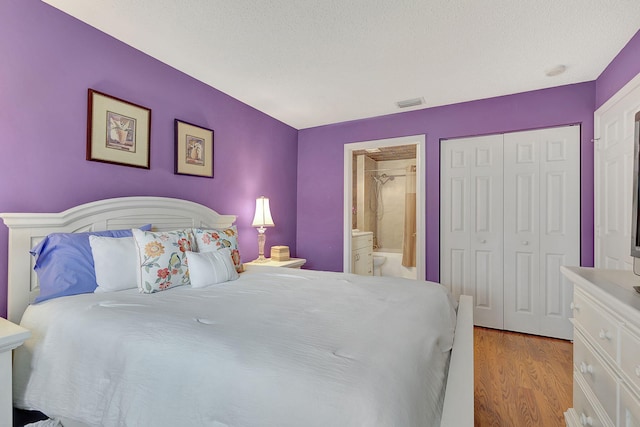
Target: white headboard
{"points": [[27, 229]]}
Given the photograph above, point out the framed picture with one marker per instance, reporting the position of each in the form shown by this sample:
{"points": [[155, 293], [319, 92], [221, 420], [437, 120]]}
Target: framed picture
{"points": [[194, 150], [118, 131]]}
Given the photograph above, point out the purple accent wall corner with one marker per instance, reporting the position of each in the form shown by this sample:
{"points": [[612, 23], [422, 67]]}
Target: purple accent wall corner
{"points": [[624, 67]]}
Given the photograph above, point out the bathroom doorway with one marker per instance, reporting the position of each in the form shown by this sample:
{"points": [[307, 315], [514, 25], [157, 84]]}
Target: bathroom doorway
{"points": [[384, 197]]}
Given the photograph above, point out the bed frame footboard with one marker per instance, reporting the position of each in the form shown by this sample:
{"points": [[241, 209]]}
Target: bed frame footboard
{"points": [[458, 401]]}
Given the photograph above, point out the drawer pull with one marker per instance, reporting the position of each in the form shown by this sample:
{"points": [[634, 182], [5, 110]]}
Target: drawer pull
{"points": [[585, 368], [585, 420], [574, 306], [483, 241], [605, 335]]}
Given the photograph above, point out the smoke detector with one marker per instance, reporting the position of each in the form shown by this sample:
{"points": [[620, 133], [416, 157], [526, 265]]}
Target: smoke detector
{"points": [[555, 71]]}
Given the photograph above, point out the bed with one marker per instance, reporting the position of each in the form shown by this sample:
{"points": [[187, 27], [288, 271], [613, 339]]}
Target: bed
{"points": [[274, 347]]}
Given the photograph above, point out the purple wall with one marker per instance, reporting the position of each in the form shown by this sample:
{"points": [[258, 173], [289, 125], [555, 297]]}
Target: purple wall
{"points": [[624, 67], [49, 60], [320, 161]]}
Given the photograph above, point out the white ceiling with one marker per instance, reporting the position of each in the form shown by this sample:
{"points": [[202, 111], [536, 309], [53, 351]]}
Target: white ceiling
{"points": [[315, 62]]}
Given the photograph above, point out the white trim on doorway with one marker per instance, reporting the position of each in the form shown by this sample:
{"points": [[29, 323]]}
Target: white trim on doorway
{"points": [[420, 142]]}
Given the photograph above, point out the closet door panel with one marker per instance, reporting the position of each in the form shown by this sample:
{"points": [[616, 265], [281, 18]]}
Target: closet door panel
{"points": [[521, 233], [554, 290], [487, 234], [454, 218], [559, 225]]}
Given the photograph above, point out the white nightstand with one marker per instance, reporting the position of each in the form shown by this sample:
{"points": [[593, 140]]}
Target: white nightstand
{"points": [[11, 336], [290, 263]]}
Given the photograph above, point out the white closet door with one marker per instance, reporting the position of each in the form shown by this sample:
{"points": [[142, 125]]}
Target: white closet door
{"points": [[542, 228], [510, 217], [472, 224], [614, 130]]}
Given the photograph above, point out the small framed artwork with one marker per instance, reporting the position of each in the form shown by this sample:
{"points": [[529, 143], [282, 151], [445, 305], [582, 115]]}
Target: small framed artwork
{"points": [[194, 150], [118, 131]]}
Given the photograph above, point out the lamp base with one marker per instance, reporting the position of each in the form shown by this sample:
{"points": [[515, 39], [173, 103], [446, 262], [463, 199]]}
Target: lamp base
{"points": [[261, 258], [261, 240]]}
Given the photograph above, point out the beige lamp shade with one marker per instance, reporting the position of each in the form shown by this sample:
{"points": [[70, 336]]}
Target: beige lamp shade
{"points": [[262, 217]]}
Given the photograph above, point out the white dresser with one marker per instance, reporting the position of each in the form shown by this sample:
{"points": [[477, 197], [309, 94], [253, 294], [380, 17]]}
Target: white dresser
{"points": [[606, 349]]}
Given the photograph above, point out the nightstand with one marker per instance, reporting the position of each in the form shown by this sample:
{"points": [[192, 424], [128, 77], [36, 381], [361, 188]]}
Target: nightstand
{"points": [[11, 336], [290, 263]]}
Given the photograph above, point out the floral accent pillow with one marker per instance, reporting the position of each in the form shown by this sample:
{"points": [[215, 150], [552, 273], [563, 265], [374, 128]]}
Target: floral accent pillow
{"points": [[162, 260], [214, 239]]}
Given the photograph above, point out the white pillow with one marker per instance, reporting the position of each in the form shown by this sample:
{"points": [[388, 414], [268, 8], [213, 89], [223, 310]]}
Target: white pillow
{"points": [[115, 261], [209, 268]]}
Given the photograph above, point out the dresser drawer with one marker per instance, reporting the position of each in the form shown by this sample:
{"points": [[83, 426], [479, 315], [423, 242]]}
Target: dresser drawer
{"points": [[602, 327], [585, 411], [600, 379], [630, 356], [629, 409]]}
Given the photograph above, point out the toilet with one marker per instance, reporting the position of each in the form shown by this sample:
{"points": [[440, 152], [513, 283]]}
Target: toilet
{"points": [[378, 260]]}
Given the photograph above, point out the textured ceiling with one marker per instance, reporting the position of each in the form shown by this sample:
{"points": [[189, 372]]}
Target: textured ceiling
{"points": [[315, 62]]}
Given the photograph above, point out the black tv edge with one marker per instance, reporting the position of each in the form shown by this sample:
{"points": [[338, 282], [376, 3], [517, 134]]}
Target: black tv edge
{"points": [[635, 221]]}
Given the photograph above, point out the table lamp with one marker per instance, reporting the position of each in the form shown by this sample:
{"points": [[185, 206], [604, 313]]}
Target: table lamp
{"points": [[261, 220]]}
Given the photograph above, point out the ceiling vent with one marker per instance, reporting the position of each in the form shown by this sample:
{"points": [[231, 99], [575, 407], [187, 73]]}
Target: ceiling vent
{"points": [[410, 103]]}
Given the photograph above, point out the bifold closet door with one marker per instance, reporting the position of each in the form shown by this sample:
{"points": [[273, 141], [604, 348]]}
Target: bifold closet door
{"points": [[471, 221], [542, 228], [509, 218]]}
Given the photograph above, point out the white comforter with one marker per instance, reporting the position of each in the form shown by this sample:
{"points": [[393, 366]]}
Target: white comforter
{"points": [[277, 347]]}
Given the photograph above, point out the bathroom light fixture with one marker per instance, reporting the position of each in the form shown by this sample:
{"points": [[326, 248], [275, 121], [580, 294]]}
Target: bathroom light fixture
{"points": [[262, 219], [555, 71], [410, 103]]}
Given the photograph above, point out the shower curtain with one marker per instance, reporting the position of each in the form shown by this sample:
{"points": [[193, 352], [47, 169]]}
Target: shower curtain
{"points": [[409, 239]]}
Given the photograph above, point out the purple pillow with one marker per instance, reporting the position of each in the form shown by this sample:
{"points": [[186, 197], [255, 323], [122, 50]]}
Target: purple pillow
{"points": [[64, 263]]}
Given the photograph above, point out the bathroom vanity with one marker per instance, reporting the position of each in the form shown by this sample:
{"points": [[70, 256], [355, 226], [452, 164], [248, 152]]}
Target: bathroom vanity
{"points": [[362, 252]]}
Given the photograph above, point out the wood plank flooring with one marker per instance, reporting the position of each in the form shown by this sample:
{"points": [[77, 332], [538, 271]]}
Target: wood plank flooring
{"points": [[521, 380]]}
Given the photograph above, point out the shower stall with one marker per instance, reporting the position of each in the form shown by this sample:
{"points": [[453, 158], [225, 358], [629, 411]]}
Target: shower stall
{"points": [[384, 203]]}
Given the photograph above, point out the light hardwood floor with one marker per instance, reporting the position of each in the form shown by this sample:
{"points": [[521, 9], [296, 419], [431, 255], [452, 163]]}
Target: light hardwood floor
{"points": [[521, 380]]}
